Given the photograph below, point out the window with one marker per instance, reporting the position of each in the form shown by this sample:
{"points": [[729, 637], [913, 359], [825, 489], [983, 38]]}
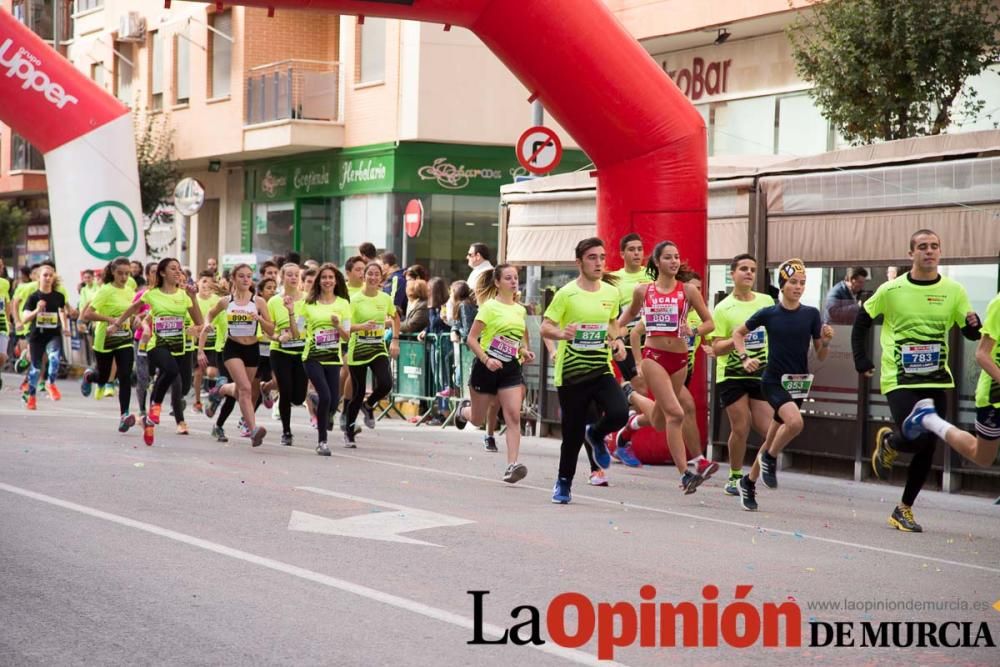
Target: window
{"points": [[802, 130], [155, 70], [39, 16], [97, 73], [24, 156], [124, 72], [743, 127], [220, 55], [363, 218], [86, 5], [182, 69], [370, 51], [273, 228]]}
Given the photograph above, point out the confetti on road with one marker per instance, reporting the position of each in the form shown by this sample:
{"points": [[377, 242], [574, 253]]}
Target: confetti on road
{"points": [[139, 465]]}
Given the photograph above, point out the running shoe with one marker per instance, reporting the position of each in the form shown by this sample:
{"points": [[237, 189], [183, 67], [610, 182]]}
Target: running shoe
{"points": [[243, 428], [313, 422], [41, 387], [598, 478], [561, 491], [182, 428], [601, 455], [109, 391], [461, 421], [267, 398], [148, 429], [690, 481], [286, 439], [24, 387], [125, 423], [732, 486], [913, 425], [623, 449], [214, 399], [219, 434], [154, 413], [490, 444], [322, 449], [515, 473], [87, 382], [705, 467], [368, 413], [349, 442], [902, 519], [98, 393], [257, 436], [54, 392], [198, 407], [444, 393], [884, 455], [769, 470], [748, 494], [31, 403]]}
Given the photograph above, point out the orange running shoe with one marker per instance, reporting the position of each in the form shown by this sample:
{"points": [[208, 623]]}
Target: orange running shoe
{"points": [[32, 403], [54, 392], [154, 413], [148, 428]]}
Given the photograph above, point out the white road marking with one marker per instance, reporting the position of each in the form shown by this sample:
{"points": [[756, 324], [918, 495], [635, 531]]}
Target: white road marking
{"points": [[384, 526], [405, 604]]}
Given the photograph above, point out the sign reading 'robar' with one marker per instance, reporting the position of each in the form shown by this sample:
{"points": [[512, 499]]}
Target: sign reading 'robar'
{"points": [[700, 79]]}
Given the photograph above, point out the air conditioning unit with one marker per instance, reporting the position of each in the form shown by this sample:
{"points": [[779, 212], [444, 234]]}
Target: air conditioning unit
{"points": [[131, 27]]}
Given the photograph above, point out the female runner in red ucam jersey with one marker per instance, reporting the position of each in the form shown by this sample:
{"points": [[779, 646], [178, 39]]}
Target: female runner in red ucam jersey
{"points": [[664, 306]]}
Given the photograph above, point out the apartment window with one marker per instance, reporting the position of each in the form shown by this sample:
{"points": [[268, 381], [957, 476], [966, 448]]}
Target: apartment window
{"points": [[802, 130], [155, 70], [86, 5], [97, 73], [370, 51], [39, 15], [220, 55], [24, 156], [182, 69], [124, 72]]}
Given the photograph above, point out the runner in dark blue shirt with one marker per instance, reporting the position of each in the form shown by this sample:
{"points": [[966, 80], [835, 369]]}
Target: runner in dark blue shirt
{"points": [[786, 381]]}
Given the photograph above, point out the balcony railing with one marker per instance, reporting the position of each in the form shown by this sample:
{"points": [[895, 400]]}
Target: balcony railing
{"points": [[293, 89]]}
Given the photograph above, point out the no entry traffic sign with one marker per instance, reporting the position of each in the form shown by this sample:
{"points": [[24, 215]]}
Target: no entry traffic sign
{"points": [[413, 218], [539, 150]]}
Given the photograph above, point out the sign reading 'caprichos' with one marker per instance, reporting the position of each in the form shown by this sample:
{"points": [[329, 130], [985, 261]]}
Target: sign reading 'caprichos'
{"points": [[450, 177]]}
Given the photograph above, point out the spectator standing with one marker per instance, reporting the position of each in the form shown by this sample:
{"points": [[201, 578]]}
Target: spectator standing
{"points": [[479, 261], [416, 310], [844, 299], [395, 282]]}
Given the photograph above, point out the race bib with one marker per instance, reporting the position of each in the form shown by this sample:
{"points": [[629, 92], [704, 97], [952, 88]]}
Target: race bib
{"points": [[371, 336], [661, 318], [168, 326], [121, 336], [756, 339], [503, 348], [590, 337], [47, 320], [264, 349], [242, 324], [293, 344], [327, 339], [797, 386], [691, 342], [920, 359]]}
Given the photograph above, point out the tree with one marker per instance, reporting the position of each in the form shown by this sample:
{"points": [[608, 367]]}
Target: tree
{"points": [[13, 218], [887, 69], [158, 171]]}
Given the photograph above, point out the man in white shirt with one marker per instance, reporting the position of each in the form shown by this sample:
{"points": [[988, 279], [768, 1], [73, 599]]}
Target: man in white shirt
{"points": [[479, 261]]}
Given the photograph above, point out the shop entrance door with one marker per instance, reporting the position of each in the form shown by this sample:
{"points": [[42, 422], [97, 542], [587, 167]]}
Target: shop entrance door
{"points": [[318, 231]]}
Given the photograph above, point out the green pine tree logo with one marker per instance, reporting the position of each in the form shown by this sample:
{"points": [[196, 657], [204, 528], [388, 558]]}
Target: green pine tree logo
{"points": [[111, 234]]}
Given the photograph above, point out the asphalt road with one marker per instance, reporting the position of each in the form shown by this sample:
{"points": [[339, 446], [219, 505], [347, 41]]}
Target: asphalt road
{"points": [[193, 552]]}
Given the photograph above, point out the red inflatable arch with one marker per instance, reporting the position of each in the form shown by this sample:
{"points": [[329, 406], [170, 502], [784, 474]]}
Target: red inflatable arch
{"points": [[646, 140]]}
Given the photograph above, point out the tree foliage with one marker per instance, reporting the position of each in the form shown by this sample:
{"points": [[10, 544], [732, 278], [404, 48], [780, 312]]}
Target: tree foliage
{"points": [[892, 69], [158, 170], [13, 218]]}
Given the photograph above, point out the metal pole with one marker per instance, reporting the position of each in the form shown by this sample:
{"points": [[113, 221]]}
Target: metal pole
{"points": [[537, 113]]}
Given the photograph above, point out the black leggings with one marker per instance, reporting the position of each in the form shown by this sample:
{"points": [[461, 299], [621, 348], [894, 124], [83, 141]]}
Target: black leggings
{"points": [[122, 358], [170, 368], [383, 385], [291, 377], [325, 380], [901, 402], [574, 402]]}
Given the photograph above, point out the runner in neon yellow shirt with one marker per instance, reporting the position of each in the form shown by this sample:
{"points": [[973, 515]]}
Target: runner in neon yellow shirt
{"points": [[286, 349], [919, 310]]}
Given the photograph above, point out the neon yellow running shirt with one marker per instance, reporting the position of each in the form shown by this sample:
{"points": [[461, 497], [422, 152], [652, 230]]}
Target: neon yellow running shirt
{"points": [[503, 329], [279, 315], [111, 301], [730, 314], [588, 355], [987, 389], [170, 314], [370, 343], [322, 337]]}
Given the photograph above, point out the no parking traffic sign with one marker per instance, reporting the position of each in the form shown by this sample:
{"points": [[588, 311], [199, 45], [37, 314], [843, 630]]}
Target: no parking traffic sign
{"points": [[539, 150]]}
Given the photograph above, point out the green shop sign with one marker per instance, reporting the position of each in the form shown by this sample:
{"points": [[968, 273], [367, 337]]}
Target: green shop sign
{"points": [[416, 167]]}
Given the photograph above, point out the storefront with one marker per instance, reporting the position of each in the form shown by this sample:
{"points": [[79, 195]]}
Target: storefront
{"points": [[324, 205]]}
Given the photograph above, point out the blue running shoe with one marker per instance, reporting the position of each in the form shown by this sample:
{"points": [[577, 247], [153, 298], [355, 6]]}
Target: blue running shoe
{"points": [[913, 425], [560, 492], [86, 384], [601, 455], [627, 456]]}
